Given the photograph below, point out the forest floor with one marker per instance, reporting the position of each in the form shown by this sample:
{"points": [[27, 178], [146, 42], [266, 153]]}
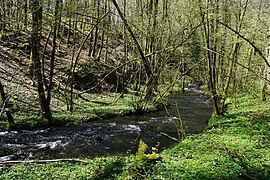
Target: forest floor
{"points": [[87, 107], [21, 90], [235, 146]]}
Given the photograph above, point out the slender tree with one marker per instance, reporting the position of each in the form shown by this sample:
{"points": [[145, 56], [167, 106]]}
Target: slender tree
{"points": [[233, 58], [210, 41], [57, 20], [5, 107], [3, 15], [35, 58], [266, 87]]}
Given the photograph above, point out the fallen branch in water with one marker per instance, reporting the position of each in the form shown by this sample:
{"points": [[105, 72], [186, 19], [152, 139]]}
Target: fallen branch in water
{"points": [[170, 137]]}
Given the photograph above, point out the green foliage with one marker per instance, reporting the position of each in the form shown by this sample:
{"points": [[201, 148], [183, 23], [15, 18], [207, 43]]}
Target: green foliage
{"points": [[110, 170], [2, 34], [144, 155], [25, 45], [233, 147], [145, 160], [87, 107], [99, 168]]}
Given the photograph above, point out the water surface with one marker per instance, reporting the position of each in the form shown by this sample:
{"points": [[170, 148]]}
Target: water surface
{"points": [[118, 136]]}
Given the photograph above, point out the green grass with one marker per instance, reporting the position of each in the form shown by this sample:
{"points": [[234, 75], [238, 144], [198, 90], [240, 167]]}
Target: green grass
{"points": [[91, 106], [98, 168], [236, 146]]}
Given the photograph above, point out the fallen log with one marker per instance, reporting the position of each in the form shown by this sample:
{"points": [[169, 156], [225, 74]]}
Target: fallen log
{"points": [[11, 163]]}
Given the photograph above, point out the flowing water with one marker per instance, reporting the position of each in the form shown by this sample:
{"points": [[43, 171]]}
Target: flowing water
{"points": [[116, 136]]}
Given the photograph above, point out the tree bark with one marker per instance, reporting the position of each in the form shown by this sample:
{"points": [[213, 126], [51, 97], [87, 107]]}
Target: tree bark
{"points": [[35, 58], [57, 20], [233, 59], [3, 15], [96, 34], [211, 61], [144, 59], [268, 68], [266, 87], [5, 107], [25, 14]]}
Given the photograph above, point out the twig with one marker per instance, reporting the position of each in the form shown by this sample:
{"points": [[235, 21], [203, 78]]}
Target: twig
{"points": [[170, 137], [11, 163], [248, 41]]}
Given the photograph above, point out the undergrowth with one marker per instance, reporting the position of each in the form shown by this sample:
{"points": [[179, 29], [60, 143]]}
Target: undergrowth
{"points": [[86, 108], [235, 146]]}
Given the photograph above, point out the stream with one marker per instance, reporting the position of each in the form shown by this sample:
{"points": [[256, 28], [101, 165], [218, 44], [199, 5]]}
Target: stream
{"points": [[117, 136]]}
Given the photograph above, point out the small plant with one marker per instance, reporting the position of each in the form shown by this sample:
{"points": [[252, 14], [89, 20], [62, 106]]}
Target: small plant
{"points": [[145, 159], [179, 125], [2, 34]]}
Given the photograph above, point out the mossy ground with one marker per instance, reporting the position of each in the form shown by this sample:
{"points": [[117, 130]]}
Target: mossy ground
{"points": [[87, 107], [236, 146]]}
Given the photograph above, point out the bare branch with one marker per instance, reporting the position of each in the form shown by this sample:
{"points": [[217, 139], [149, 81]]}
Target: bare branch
{"points": [[247, 40]]}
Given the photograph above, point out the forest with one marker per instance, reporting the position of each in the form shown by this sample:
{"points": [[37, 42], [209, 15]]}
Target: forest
{"points": [[66, 62]]}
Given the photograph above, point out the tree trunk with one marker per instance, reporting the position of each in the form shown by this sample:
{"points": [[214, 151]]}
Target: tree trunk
{"points": [[25, 13], [5, 107], [144, 59], [35, 58], [57, 20], [268, 69], [211, 61], [74, 64], [3, 15], [266, 87], [152, 84], [95, 43], [233, 59]]}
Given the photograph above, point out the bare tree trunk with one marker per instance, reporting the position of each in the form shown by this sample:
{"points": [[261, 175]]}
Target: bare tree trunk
{"points": [[3, 15], [35, 58], [69, 26], [104, 24], [211, 61], [144, 59], [233, 59], [153, 81], [5, 107], [74, 64], [25, 13], [94, 49], [268, 69], [57, 20], [266, 87]]}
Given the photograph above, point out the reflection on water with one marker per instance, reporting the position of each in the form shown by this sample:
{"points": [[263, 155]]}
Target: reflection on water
{"points": [[116, 136]]}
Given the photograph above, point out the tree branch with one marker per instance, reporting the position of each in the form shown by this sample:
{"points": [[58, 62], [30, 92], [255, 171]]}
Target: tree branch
{"points": [[11, 163], [248, 68], [145, 61], [247, 40]]}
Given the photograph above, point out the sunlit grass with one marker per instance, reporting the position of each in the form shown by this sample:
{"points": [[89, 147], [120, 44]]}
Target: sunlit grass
{"points": [[236, 146], [86, 108]]}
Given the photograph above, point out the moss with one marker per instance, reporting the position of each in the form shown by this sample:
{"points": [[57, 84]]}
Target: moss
{"points": [[144, 162], [144, 153], [233, 147], [142, 150], [87, 107]]}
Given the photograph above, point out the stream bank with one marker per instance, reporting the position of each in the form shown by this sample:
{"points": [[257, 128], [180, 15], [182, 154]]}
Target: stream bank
{"points": [[236, 147], [117, 136]]}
